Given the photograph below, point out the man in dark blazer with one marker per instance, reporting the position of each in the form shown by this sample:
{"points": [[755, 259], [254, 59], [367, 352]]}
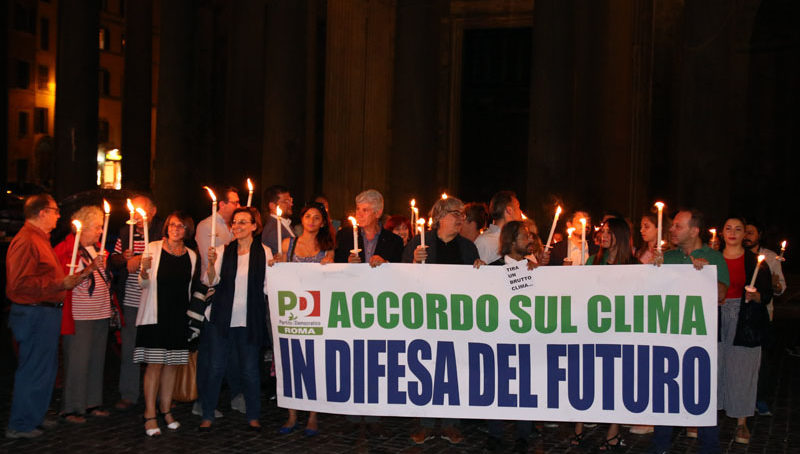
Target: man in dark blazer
{"points": [[376, 245], [277, 196]]}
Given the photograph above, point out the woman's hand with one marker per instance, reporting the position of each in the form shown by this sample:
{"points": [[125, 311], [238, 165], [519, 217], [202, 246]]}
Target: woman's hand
{"points": [[327, 259], [100, 261], [420, 254], [752, 296], [478, 263], [212, 256], [279, 258], [147, 262], [353, 258], [133, 262], [532, 265]]}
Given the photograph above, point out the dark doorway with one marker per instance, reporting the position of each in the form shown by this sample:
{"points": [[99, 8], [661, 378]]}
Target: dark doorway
{"points": [[495, 111]]}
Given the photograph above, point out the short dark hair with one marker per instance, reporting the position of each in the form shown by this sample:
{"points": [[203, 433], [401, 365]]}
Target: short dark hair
{"points": [[185, 219], [35, 204], [225, 190], [273, 193], [499, 202], [477, 212], [255, 216], [508, 235], [759, 227], [697, 218]]}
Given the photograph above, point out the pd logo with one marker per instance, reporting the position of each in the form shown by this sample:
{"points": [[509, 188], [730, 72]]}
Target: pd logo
{"points": [[306, 304]]}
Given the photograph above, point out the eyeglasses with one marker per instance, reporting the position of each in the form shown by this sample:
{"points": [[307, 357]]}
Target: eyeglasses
{"points": [[232, 202], [55, 209], [173, 225], [241, 222], [457, 213]]}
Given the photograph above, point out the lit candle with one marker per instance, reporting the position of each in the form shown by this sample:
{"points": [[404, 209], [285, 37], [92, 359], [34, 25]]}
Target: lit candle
{"points": [[107, 209], [355, 249], [131, 222], [77, 225], [416, 215], [279, 212], [752, 287], [213, 217], [430, 223], [569, 232], [413, 209], [444, 196], [523, 215], [143, 214], [249, 192], [583, 241], [553, 227], [713, 234], [783, 249], [660, 206], [421, 228]]}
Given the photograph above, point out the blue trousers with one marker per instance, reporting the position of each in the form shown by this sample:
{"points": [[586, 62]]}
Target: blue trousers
{"points": [[708, 437], [36, 329], [220, 349], [232, 376]]}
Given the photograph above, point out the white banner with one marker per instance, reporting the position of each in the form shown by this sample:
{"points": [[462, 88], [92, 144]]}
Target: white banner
{"points": [[626, 344]]}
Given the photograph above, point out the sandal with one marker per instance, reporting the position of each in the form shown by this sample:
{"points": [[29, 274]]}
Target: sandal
{"points": [[608, 446], [73, 417], [97, 411], [151, 432], [577, 439], [174, 425]]}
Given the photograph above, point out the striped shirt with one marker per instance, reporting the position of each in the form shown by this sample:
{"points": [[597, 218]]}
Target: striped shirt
{"points": [[97, 305], [133, 292]]}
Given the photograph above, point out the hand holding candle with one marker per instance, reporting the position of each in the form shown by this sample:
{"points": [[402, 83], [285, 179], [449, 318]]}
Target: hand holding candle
{"points": [[660, 206], [143, 214], [583, 241], [553, 228], [421, 228], [413, 210], [107, 210], [213, 216], [783, 249], [752, 287], [249, 192], [72, 265]]}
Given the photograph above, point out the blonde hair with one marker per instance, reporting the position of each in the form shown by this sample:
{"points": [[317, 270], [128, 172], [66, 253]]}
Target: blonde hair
{"points": [[87, 214]]}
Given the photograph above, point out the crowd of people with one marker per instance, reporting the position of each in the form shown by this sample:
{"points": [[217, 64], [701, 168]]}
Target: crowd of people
{"points": [[146, 291]]}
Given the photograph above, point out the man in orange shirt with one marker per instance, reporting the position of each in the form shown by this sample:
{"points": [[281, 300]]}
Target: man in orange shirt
{"points": [[36, 288]]}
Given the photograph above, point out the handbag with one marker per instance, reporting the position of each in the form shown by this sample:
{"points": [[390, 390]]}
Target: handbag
{"points": [[185, 380], [752, 327]]}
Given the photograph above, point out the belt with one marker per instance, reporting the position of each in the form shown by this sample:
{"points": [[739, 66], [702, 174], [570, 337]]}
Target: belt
{"points": [[46, 304]]}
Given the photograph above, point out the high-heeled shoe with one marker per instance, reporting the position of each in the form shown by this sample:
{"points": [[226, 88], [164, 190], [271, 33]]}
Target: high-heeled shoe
{"points": [[174, 425], [151, 432]]}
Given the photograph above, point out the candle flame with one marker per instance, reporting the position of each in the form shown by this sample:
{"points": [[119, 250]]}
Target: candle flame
{"points": [[77, 225], [783, 245], [413, 203], [583, 221], [353, 220], [278, 211], [523, 216], [569, 232], [663, 242], [596, 228], [106, 206], [210, 193], [444, 196], [712, 231], [421, 222], [249, 185], [660, 205], [558, 210], [761, 258], [430, 222], [142, 213], [416, 211], [130, 206]]}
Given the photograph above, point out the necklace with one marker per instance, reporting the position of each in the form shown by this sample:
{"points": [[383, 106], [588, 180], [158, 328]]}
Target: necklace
{"points": [[174, 250]]}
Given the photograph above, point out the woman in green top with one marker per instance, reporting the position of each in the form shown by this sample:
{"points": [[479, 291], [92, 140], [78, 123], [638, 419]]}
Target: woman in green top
{"points": [[615, 249]]}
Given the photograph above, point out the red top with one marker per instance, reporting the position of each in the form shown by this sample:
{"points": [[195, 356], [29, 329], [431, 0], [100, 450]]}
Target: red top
{"points": [[33, 274], [738, 277]]}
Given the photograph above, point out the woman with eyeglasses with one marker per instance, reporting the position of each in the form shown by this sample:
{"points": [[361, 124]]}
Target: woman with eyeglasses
{"points": [[443, 245], [313, 245], [161, 342], [238, 322]]}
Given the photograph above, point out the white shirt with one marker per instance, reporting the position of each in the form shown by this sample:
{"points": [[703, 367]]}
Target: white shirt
{"points": [[239, 310], [488, 244], [574, 253]]}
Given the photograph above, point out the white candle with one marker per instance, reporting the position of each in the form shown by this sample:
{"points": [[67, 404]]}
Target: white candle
{"points": [[213, 216], [249, 192], [583, 241], [752, 287], [413, 209], [355, 249], [569, 232], [279, 212], [143, 214], [77, 225], [131, 223], [783, 249], [553, 228], [421, 228], [660, 206], [107, 209]]}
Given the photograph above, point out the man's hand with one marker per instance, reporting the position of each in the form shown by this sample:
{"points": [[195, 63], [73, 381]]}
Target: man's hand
{"points": [[420, 254], [777, 287], [353, 258], [127, 254], [478, 263], [698, 263], [376, 260], [71, 281], [752, 296], [545, 258]]}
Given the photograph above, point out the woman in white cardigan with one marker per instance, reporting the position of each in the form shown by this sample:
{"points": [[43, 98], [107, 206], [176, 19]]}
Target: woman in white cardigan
{"points": [[161, 341]]}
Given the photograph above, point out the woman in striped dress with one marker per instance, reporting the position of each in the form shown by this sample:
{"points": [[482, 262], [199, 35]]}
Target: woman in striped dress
{"points": [[161, 337]]}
